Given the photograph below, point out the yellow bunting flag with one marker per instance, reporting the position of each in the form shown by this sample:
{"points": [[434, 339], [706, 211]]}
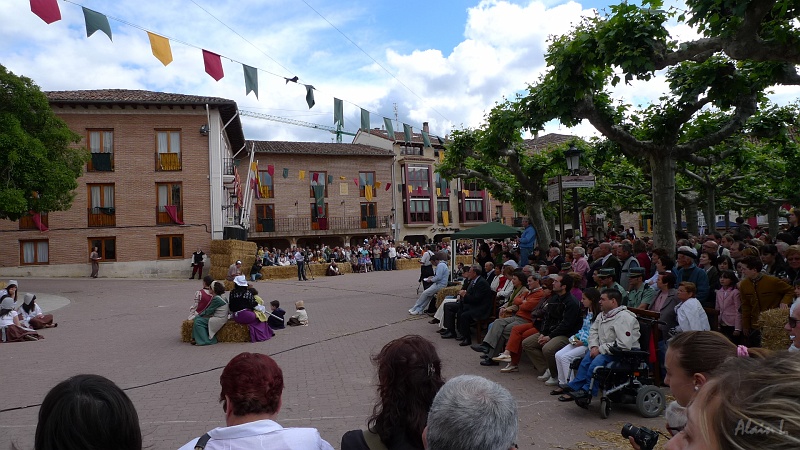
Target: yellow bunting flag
{"points": [[446, 218], [161, 48], [438, 192], [368, 192], [441, 156], [410, 189], [342, 178], [377, 185], [301, 175], [466, 193]]}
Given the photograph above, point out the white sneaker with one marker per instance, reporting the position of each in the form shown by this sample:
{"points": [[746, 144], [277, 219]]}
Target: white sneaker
{"points": [[545, 376], [509, 368], [411, 311], [503, 357], [551, 382]]}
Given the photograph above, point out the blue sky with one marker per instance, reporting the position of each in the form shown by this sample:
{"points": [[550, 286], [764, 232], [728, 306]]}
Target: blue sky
{"points": [[451, 60]]}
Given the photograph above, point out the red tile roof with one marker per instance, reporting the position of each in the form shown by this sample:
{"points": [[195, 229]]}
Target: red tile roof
{"points": [[318, 148], [548, 140], [399, 136]]}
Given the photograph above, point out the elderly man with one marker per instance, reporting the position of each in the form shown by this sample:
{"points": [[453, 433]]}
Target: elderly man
{"points": [[687, 271], [614, 327], [472, 413], [760, 292], [252, 387], [640, 294], [474, 303], [562, 319], [437, 282], [488, 271], [609, 261], [625, 254], [234, 270]]}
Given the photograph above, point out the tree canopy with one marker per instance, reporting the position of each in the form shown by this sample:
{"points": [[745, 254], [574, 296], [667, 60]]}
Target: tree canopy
{"points": [[747, 47], [39, 165]]}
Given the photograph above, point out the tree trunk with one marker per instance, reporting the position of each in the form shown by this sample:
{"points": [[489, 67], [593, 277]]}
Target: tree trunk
{"points": [[772, 219], [663, 178], [710, 211], [536, 212], [691, 218], [616, 217]]}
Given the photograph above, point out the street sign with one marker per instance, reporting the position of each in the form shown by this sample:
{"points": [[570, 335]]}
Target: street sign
{"points": [[552, 192], [582, 181]]}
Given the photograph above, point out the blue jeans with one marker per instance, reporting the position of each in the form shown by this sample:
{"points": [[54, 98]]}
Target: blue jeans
{"points": [[376, 264], [523, 256], [585, 371], [300, 275], [386, 265]]}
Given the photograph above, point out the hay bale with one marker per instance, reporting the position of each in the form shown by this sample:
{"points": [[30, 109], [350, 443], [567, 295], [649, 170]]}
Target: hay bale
{"points": [[464, 259], [230, 332], [448, 291], [408, 264], [773, 335]]}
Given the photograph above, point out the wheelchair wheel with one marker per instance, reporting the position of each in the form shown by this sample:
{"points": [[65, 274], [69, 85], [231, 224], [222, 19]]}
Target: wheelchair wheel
{"points": [[605, 408], [650, 401]]}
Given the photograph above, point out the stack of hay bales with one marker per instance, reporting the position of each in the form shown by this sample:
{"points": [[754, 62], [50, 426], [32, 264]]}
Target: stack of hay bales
{"points": [[407, 264], [226, 252], [464, 259], [773, 335], [230, 332]]}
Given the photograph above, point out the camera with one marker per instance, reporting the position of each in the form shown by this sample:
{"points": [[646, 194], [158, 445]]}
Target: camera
{"points": [[644, 437]]}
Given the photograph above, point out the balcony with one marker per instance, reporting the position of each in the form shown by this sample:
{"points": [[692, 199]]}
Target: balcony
{"points": [[27, 222], [169, 215], [168, 162], [101, 162], [304, 225], [102, 217]]}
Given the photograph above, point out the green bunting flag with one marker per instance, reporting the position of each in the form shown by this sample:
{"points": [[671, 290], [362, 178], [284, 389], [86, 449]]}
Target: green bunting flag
{"points": [[96, 21], [309, 95], [364, 119], [250, 80], [330, 179], [285, 173], [425, 139], [338, 112], [407, 132], [389, 128], [441, 141]]}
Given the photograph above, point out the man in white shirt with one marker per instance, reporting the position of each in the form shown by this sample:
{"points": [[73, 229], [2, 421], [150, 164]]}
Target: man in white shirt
{"points": [[438, 281], [252, 387], [300, 259], [392, 256]]}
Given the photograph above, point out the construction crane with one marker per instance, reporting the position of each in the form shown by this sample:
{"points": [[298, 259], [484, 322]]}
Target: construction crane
{"points": [[335, 130]]}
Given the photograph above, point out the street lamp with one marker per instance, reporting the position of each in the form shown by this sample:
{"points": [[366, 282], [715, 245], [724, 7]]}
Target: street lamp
{"points": [[573, 156]]}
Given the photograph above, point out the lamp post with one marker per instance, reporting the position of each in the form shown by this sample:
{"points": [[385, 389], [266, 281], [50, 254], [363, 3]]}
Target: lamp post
{"points": [[573, 156]]}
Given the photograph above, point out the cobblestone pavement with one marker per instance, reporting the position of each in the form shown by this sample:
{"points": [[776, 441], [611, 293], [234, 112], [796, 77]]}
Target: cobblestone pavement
{"points": [[128, 331]]}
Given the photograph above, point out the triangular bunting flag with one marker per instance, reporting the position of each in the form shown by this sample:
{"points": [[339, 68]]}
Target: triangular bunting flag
{"points": [[407, 133], [441, 156], [250, 80], [342, 178], [301, 175], [161, 48], [315, 177], [425, 139], [213, 65], [364, 119], [465, 192], [285, 173], [330, 179], [309, 95], [270, 170], [410, 189], [441, 141], [377, 185], [389, 129], [438, 192], [388, 185], [338, 112], [355, 180], [47, 10], [419, 189], [96, 21]]}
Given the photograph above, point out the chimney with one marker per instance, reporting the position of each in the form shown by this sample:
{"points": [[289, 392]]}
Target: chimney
{"points": [[425, 127]]}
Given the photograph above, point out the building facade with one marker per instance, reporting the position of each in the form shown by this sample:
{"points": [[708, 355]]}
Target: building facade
{"points": [[157, 186], [320, 193]]}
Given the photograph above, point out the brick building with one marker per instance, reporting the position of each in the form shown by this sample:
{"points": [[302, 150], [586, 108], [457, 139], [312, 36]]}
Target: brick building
{"points": [[287, 212], [157, 187]]}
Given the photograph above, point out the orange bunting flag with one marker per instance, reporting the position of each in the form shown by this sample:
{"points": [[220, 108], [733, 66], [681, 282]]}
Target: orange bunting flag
{"points": [[465, 192], [161, 49], [377, 185], [47, 10], [410, 189], [342, 177], [213, 64]]}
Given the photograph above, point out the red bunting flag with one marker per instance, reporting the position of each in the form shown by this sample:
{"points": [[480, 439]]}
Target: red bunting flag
{"points": [[47, 10], [388, 185], [419, 189], [213, 64], [315, 177], [355, 180], [270, 170]]}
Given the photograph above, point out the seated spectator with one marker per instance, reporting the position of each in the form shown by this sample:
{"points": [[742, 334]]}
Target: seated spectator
{"points": [[513, 351], [11, 328], [749, 404], [690, 313], [87, 412], [472, 413], [409, 376], [255, 271], [333, 269], [275, 320], [252, 387], [300, 316], [579, 343], [475, 303], [615, 327], [211, 319], [234, 270], [502, 284], [31, 314], [202, 298], [244, 306], [437, 282]]}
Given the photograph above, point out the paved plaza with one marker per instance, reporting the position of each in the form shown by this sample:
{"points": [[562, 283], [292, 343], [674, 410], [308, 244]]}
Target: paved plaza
{"points": [[129, 331]]}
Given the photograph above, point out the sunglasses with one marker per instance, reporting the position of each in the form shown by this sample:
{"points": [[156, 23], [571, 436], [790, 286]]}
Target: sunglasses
{"points": [[792, 322]]}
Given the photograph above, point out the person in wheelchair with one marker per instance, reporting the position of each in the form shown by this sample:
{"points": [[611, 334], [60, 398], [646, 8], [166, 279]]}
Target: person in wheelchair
{"points": [[617, 328]]}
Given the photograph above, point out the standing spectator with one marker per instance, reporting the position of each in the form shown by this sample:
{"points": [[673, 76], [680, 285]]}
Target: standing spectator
{"points": [[252, 390], [234, 270], [300, 260], [392, 256], [640, 251], [198, 262], [687, 271], [94, 257], [527, 241], [426, 268], [729, 305], [760, 292]]}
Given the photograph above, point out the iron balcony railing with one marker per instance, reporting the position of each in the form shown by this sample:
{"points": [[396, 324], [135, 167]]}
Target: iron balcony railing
{"points": [[300, 224]]}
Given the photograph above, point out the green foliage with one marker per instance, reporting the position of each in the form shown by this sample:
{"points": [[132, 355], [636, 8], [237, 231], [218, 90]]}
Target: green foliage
{"points": [[38, 165]]}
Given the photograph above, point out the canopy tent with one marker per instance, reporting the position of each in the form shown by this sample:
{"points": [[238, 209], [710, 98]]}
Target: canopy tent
{"points": [[490, 230]]}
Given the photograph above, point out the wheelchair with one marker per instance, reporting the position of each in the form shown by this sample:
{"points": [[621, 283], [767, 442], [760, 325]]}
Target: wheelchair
{"points": [[627, 380]]}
